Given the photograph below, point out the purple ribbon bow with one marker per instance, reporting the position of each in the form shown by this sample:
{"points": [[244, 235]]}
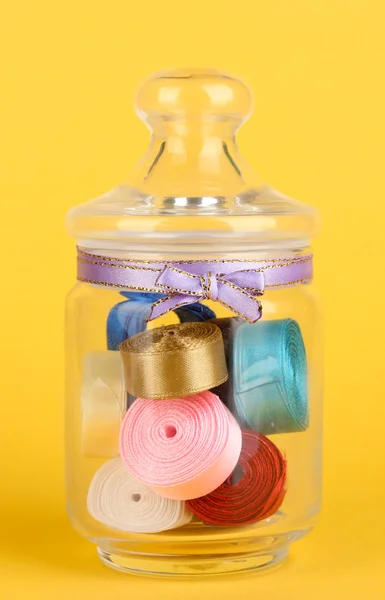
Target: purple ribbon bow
{"points": [[237, 291], [234, 283]]}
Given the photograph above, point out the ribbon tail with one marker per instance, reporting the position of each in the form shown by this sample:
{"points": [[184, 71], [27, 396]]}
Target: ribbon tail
{"points": [[165, 305], [241, 302]]}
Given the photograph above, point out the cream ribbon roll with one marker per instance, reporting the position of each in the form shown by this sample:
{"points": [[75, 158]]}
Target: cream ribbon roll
{"points": [[182, 448], [103, 403], [117, 500]]}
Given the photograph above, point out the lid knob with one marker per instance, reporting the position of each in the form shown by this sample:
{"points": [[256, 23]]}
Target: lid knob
{"points": [[194, 93]]}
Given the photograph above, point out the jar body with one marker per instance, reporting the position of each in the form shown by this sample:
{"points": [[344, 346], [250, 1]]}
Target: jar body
{"points": [[98, 319]]}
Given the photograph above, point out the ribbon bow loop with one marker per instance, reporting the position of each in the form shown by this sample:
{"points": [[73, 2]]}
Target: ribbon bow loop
{"points": [[237, 291]]}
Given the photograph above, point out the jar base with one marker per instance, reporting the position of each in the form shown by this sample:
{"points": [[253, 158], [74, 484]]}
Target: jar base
{"points": [[182, 566]]}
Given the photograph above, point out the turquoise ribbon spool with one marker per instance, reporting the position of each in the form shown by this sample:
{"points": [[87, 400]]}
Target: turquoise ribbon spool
{"points": [[270, 376]]}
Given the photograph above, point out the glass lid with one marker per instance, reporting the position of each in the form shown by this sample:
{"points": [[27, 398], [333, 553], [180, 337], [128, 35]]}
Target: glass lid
{"points": [[193, 186]]}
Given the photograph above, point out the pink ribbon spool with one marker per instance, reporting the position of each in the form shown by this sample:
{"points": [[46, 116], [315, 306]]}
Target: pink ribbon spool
{"points": [[182, 448]]}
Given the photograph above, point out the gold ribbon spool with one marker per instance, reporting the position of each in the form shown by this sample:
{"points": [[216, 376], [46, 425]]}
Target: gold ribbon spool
{"points": [[174, 361]]}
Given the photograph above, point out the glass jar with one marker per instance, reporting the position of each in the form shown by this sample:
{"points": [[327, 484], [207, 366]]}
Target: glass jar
{"points": [[194, 363]]}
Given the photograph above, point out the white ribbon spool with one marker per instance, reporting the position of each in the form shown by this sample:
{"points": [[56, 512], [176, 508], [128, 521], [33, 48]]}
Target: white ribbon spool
{"points": [[104, 400], [117, 500]]}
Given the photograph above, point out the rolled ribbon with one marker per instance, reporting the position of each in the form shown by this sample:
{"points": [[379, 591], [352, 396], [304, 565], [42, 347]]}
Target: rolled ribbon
{"points": [[103, 403], [270, 376], [228, 327], [130, 317], [182, 448], [118, 501], [173, 361], [236, 284], [253, 492]]}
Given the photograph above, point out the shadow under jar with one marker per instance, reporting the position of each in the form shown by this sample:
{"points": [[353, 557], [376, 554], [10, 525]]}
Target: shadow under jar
{"points": [[194, 361]]}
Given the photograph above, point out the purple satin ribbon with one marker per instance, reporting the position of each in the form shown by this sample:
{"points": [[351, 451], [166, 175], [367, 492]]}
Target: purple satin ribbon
{"points": [[236, 284]]}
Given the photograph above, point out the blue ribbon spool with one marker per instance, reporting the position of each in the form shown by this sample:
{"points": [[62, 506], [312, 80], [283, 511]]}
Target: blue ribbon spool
{"points": [[270, 376], [129, 317]]}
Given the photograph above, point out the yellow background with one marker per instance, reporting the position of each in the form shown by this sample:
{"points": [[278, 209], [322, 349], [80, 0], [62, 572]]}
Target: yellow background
{"points": [[68, 133]]}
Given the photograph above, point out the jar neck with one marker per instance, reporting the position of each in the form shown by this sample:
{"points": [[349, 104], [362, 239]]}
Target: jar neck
{"points": [[192, 157], [193, 128]]}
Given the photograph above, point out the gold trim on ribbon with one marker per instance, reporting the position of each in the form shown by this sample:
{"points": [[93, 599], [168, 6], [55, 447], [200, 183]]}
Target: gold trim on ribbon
{"points": [[286, 261]]}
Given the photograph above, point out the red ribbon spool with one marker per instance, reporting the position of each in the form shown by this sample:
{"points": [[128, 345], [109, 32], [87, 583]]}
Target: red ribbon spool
{"points": [[254, 491]]}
